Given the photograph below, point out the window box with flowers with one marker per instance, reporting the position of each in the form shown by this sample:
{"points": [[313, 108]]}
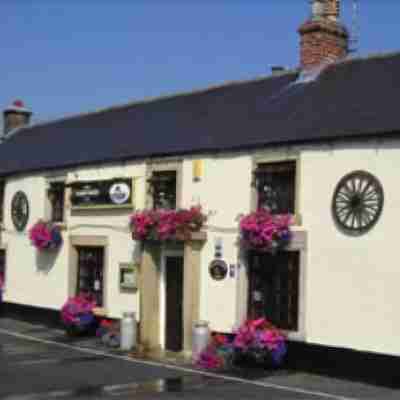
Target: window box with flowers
{"points": [[167, 225], [256, 342], [45, 235]]}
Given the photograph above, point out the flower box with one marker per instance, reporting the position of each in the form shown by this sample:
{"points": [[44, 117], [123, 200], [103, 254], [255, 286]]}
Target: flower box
{"points": [[255, 343], [167, 225], [77, 314]]}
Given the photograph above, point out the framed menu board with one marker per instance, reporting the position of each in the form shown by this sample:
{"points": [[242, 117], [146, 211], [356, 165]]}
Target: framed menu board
{"points": [[127, 276]]}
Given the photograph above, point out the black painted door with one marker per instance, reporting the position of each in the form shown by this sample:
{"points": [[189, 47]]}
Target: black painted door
{"points": [[174, 304]]}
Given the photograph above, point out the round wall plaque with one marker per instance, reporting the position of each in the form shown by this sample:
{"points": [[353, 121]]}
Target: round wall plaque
{"points": [[357, 202], [20, 210], [119, 192], [218, 269]]}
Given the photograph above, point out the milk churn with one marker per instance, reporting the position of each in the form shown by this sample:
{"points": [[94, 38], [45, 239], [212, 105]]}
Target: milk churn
{"points": [[200, 338], [128, 331]]}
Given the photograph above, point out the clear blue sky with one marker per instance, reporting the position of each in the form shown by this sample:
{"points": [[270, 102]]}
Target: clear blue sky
{"points": [[68, 56]]}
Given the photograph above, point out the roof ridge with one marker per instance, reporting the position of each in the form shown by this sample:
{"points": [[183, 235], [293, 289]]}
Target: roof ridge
{"points": [[153, 99], [370, 56]]}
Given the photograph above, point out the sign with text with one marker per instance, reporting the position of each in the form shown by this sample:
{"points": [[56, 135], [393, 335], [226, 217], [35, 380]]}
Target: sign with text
{"points": [[105, 193]]}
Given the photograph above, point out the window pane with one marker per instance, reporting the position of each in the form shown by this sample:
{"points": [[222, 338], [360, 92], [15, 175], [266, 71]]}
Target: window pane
{"points": [[274, 288], [56, 196], [276, 187], [163, 187]]}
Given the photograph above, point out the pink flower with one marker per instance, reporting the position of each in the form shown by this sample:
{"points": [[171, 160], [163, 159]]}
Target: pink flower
{"points": [[166, 224], [74, 306], [40, 235], [263, 231]]}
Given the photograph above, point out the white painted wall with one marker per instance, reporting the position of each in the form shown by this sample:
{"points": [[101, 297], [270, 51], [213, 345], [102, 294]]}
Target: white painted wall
{"points": [[224, 192], [32, 278], [41, 279], [350, 297], [352, 294]]}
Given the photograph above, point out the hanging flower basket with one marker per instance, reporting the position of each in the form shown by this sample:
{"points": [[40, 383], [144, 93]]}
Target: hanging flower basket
{"points": [[45, 236], [167, 225], [263, 231]]}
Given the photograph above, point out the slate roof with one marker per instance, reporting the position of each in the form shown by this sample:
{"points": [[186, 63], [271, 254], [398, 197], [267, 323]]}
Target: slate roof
{"points": [[352, 98]]}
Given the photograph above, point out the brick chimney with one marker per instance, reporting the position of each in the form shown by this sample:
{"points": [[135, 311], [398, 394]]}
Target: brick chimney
{"points": [[323, 39], [15, 116]]}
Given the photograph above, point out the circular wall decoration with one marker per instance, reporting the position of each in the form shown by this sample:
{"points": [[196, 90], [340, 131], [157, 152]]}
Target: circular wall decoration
{"points": [[218, 269], [119, 193], [20, 210], [357, 202]]}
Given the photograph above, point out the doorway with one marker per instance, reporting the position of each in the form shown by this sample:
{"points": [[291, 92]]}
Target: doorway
{"points": [[174, 303], [91, 272]]}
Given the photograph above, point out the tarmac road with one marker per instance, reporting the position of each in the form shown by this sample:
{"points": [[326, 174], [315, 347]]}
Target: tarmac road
{"points": [[37, 362]]}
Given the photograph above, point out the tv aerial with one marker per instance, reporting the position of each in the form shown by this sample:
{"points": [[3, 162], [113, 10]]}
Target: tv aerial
{"points": [[354, 42]]}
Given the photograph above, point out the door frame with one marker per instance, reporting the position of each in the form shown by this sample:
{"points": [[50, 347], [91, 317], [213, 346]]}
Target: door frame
{"points": [[298, 244], [163, 287]]}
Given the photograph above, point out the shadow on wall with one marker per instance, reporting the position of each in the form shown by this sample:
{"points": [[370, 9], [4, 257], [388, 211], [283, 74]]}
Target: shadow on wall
{"points": [[45, 260]]}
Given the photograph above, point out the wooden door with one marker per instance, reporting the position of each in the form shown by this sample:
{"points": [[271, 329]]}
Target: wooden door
{"points": [[174, 304]]}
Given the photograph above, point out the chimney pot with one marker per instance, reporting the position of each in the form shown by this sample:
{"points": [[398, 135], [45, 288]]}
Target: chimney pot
{"points": [[323, 38], [15, 116]]}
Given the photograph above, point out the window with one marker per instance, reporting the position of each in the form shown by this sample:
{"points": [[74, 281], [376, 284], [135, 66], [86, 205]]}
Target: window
{"points": [[56, 196], [1, 202], [275, 183], [2, 268], [163, 189], [274, 288], [90, 272]]}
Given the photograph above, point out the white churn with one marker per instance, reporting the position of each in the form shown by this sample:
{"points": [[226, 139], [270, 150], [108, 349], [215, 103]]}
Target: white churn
{"points": [[128, 331], [200, 338]]}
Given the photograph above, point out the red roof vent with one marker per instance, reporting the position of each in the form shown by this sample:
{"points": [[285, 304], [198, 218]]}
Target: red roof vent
{"points": [[16, 116], [19, 104]]}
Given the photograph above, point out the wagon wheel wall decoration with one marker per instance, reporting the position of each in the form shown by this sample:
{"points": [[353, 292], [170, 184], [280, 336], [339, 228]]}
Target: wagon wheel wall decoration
{"points": [[357, 202], [20, 210]]}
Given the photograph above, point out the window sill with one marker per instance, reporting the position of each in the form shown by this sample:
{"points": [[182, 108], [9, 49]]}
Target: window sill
{"points": [[295, 336]]}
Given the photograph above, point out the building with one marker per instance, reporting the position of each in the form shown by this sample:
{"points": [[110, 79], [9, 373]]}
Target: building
{"points": [[320, 142]]}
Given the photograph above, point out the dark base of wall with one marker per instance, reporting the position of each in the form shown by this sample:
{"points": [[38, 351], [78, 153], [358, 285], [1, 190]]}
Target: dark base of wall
{"points": [[378, 369], [32, 314]]}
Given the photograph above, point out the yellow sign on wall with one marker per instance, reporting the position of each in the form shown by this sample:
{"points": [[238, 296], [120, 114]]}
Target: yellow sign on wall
{"points": [[197, 169]]}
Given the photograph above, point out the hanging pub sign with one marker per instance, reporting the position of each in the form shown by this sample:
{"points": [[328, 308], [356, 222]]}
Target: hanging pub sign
{"points": [[102, 194]]}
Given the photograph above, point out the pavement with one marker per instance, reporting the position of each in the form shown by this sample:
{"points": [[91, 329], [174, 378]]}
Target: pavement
{"points": [[38, 362]]}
